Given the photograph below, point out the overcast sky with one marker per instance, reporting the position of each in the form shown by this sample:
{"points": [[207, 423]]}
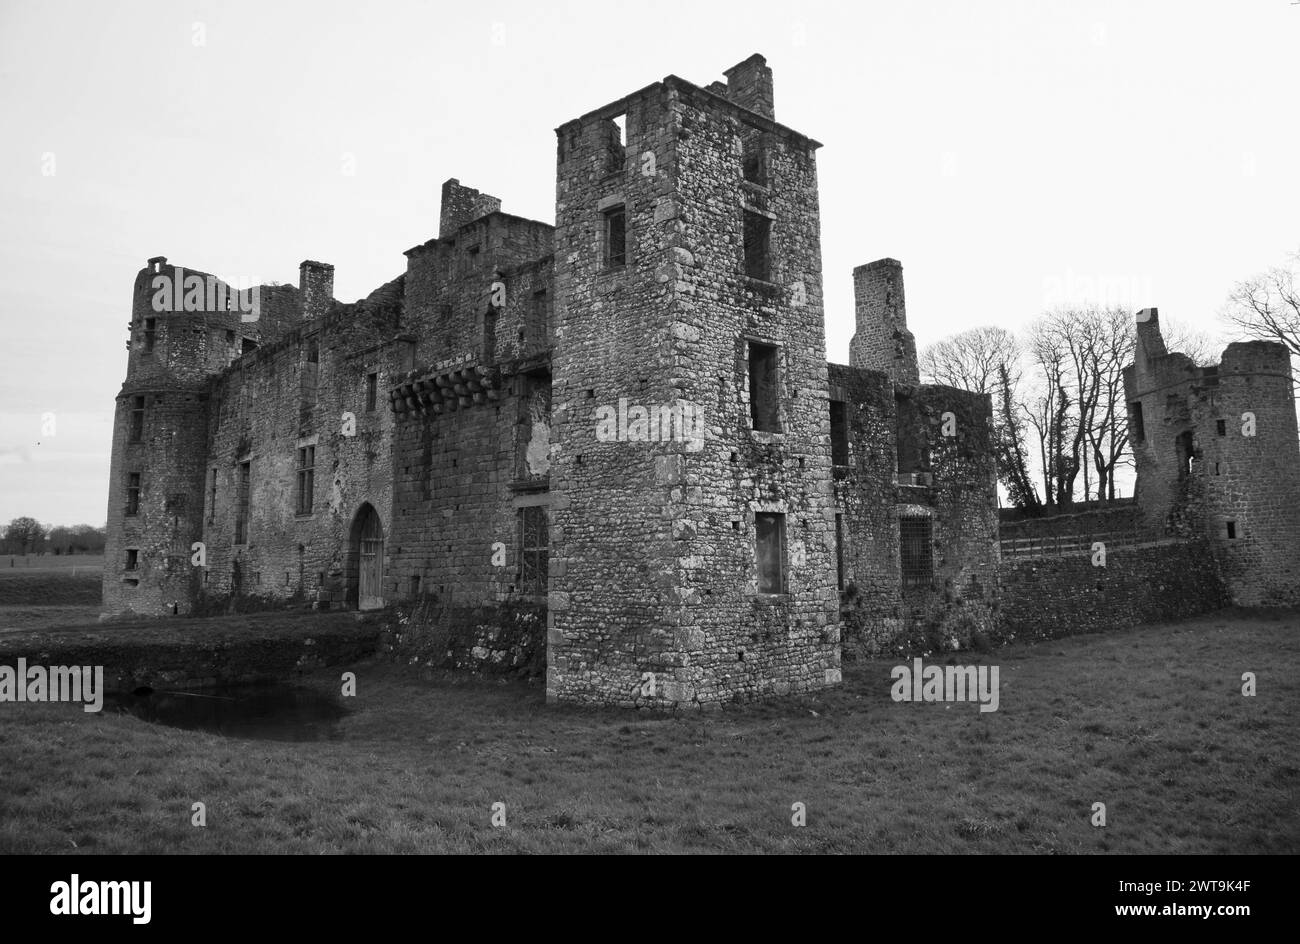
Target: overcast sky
{"points": [[1013, 155]]}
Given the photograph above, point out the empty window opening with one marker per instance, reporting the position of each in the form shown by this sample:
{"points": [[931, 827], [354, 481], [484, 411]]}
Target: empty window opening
{"points": [[615, 237], [764, 409], [769, 538], [248, 346], [372, 391], [212, 497], [533, 551], [137, 419], [908, 436], [916, 550], [313, 352], [839, 433], [241, 503], [150, 334], [616, 145], [1216, 468], [306, 478], [1136, 423], [751, 166], [1232, 530], [230, 336], [132, 558], [1221, 427], [757, 236], [133, 493]]}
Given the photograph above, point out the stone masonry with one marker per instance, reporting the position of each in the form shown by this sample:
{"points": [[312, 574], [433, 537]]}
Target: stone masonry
{"points": [[620, 430]]}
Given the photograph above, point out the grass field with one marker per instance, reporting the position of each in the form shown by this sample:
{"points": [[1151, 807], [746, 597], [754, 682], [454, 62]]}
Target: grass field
{"points": [[1149, 721], [41, 592]]}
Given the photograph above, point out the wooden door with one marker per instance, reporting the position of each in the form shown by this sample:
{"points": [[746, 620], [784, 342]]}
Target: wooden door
{"points": [[371, 561]]}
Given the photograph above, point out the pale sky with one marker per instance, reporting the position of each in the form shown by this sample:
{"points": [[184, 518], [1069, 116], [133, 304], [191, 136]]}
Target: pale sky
{"points": [[1013, 155]]}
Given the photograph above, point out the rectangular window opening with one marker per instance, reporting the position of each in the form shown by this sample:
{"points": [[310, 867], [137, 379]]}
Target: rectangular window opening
{"points": [[132, 558], [839, 433], [916, 550], [1136, 423], [212, 497], [306, 478], [133, 493], [372, 391], [757, 237], [137, 419], [1221, 427], [764, 411], [615, 237], [533, 548], [1232, 530], [769, 537], [150, 334], [839, 551]]}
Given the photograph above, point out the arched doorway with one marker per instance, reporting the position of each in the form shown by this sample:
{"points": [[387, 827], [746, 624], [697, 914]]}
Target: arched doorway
{"points": [[368, 551]]}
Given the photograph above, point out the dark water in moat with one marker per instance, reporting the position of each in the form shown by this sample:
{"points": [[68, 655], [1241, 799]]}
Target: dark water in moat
{"points": [[275, 712]]}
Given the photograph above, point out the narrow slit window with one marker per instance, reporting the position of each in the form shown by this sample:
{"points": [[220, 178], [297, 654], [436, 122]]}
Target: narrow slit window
{"points": [[839, 551], [137, 419], [839, 433], [764, 411], [1136, 422], [769, 537], [372, 391], [758, 231], [150, 334], [306, 478], [241, 507], [212, 497], [615, 237]]}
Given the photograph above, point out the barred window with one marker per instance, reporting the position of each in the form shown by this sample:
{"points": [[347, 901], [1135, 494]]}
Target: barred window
{"points": [[916, 547], [533, 553]]}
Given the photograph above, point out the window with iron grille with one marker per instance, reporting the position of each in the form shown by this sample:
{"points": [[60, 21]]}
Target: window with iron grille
{"points": [[241, 506], [533, 554], [133, 493], [306, 478], [769, 535], [916, 549]]}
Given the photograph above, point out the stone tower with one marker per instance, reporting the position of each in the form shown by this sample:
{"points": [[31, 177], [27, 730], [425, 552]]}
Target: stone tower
{"points": [[692, 532], [882, 341], [1217, 455], [185, 327]]}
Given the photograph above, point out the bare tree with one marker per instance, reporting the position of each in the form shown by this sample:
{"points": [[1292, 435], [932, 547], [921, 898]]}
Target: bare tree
{"points": [[1267, 307], [989, 360]]}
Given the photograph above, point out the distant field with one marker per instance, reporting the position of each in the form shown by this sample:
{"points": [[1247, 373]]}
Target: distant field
{"points": [[41, 592]]}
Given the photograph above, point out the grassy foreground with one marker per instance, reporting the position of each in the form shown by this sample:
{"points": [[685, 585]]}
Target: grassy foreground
{"points": [[1149, 721], [46, 591]]}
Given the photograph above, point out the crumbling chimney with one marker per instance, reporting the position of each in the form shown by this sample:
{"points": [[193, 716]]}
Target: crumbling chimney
{"points": [[882, 341], [316, 286], [461, 205], [749, 85], [1149, 341]]}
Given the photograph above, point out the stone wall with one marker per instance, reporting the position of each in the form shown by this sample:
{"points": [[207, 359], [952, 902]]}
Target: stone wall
{"points": [[1046, 597], [653, 566], [1218, 456]]}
